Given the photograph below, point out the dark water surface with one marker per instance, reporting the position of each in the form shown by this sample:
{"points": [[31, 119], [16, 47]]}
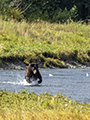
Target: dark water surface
{"points": [[74, 83]]}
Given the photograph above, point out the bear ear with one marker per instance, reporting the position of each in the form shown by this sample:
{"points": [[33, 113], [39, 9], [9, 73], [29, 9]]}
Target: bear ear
{"points": [[32, 64]]}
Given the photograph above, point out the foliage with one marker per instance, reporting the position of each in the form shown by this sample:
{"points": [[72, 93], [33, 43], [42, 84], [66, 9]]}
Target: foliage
{"points": [[74, 13], [4, 4], [67, 15], [46, 10], [63, 15], [27, 105], [14, 14]]}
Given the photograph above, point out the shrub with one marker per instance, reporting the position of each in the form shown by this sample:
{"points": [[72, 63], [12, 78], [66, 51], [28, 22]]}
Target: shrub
{"points": [[14, 14], [63, 15]]}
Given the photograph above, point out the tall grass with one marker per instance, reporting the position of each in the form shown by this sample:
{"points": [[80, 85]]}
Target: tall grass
{"points": [[31, 40], [29, 106]]}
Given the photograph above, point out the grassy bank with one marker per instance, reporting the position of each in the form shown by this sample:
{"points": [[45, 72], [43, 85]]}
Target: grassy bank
{"points": [[28, 105], [44, 42]]}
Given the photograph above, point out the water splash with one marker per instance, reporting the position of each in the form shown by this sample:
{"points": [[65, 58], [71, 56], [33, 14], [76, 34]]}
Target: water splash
{"points": [[50, 75], [87, 74], [21, 82]]}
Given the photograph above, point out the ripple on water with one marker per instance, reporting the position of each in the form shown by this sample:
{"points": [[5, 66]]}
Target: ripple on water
{"points": [[74, 83]]}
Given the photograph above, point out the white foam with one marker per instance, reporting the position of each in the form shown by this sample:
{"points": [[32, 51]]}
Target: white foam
{"points": [[22, 82]]}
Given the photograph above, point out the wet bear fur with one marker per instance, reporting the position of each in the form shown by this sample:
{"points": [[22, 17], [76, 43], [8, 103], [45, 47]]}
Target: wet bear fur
{"points": [[32, 72]]}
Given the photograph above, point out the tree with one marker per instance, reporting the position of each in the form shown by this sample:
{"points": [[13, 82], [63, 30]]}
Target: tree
{"points": [[48, 10]]}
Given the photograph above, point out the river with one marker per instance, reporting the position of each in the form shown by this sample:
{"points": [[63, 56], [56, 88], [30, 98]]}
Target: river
{"points": [[74, 83]]}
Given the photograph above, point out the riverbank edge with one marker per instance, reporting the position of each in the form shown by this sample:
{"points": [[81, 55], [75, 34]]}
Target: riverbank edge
{"points": [[16, 104], [20, 65]]}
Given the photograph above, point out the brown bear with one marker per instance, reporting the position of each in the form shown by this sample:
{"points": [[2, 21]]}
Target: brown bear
{"points": [[32, 72]]}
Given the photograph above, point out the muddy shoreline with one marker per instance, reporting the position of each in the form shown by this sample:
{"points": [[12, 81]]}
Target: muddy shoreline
{"points": [[21, 65]]}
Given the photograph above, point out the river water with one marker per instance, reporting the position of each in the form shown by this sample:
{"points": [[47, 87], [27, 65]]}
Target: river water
{"points": [[74, 83]]}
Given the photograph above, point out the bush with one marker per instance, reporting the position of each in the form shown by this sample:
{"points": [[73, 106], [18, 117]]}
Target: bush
{"points": [[63, 15], [14, 14], [73, 12]]}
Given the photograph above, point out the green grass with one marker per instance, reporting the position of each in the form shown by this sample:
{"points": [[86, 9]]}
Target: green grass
{"points": [[29, 106], [43, 41]]}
